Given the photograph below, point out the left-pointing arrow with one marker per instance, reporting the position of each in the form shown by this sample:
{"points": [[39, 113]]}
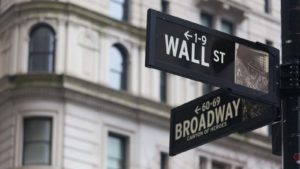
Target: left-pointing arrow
{"points": [[187, 35], [197, 109]]}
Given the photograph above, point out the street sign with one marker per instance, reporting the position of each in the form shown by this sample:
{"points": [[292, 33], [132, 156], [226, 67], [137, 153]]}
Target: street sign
{"points": [[190, 50], [213, 116]]}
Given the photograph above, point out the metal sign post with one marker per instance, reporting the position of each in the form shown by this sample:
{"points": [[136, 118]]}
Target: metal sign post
{"points": [[290, 83]]}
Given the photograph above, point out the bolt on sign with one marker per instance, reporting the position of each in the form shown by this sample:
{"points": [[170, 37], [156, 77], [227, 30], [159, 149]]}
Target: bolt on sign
{"points": [[213, 116], [190, 50]]}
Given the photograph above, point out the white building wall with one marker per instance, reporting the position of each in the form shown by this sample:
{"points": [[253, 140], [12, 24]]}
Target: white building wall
{"points": [[7, 132]]}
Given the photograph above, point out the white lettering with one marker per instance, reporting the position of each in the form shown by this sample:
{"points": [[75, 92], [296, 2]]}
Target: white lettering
{"points": [[210, 118], [220, 114], [236, 106], [228, 112], [216, 56], [203, 57], [194, 125], [219, 56], [186, 126], [171, 44], [178, 131], [194, 60], [184, 51], [202, 123]]}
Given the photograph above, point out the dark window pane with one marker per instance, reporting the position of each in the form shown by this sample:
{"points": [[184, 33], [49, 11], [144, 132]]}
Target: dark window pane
{"points": [[164, 161], [267, 6], [41, 62], [268, 42], [206, 88], [206, 20], [41, 50], [219, 165], [36, 153], [203, 163], [226, 27], [37, 130], [116, 152], [37, 141], [42, 40], [165, 6]]}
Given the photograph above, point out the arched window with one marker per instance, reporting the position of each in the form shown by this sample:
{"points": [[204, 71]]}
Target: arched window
{"points": [[41, 49], [118, 67]]}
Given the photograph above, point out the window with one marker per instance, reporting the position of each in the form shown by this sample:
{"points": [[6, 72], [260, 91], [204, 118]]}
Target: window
{"points": [[203, 163], [270, 43], [206, 20], [118, 67], [41, 49], [116, 154], [118, 9], [163, 86], [220, 165], [226, 27], [37, 141], [164, 161], [267, 6], [206, 88], [165, 6], [210, 163]]}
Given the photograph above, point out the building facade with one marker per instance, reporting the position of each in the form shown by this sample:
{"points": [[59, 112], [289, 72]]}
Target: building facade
{"points": [[75, 94]]}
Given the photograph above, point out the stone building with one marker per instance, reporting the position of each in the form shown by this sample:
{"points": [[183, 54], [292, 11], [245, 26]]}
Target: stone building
{"points": [[75, 94]]}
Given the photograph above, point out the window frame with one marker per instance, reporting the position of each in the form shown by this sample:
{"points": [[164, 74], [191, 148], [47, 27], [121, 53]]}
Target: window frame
{"points": [[50, 142], [165, 6], [39, 110], [164, 160], [224, 165], [129, 133], [124, 142], [34, 28], [210, 157], [208, 15], [125, 6], [124, 73], [269, 42], [229, 23], [267, 6]]}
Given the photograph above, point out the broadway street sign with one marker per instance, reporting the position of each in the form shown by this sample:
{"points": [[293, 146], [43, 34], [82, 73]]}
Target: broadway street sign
{"points": [[190, 50], [213, 116]]}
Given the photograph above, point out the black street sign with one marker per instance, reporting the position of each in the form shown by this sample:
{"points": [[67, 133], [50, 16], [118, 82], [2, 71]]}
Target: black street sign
{"points": [[213, 116], [190, 50]]}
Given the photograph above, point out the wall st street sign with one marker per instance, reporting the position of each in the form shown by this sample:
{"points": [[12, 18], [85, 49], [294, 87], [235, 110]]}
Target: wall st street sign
{"points": [[190, 50], [213, 116]]}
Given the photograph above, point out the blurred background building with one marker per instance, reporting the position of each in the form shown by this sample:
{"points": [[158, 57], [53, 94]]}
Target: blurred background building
{"points": [[75, 94]]}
